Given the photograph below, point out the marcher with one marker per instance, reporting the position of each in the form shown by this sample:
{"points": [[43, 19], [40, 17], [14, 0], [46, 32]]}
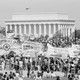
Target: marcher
{"points": [[28, 68]]}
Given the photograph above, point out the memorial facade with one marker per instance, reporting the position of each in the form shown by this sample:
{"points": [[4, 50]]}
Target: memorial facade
{"points": [[40, 24]]}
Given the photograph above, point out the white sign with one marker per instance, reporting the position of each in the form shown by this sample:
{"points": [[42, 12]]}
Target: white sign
{"points": [[6, 46], [54, 51], [32, 46], [74, 50]]}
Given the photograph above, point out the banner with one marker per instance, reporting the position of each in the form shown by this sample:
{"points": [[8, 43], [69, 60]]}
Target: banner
{"points": [[57, 52], [74, 51], [31, 46]]}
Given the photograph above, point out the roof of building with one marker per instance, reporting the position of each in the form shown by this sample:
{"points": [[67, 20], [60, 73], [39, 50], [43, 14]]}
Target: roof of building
{"points": [[40, 16]]}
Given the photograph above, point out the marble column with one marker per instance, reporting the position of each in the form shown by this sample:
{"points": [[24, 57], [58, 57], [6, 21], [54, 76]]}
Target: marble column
{"points": [[20, 31], [15, 29], [50, 31], [44, 29], [10, 27], [59, 27], [66, 29], [54, 28], [63, 30], [40, 30], [73, 28], [35, 29], [70, 30], [24, 28], [6, 29], [29, 29]]}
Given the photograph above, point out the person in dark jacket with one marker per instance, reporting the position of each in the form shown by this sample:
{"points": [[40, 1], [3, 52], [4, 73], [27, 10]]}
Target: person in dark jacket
{"points": [[28, 68]]}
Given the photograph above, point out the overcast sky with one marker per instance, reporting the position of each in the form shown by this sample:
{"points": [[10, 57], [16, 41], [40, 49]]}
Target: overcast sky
{"points": [[8, 7]]}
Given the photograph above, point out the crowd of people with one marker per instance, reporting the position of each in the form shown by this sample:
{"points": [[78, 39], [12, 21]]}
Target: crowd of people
{"points": [[10, 76], [41, 67], [56, 41]]}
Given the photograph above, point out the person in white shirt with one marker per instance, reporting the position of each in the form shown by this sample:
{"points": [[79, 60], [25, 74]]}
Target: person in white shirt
{"points": [[39, 68], [3, 65], [21, 67], [45, 74], [30, 60], [21, 64], [53, 74]]}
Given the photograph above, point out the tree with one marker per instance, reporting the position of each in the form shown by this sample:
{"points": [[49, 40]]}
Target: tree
{"points": [[3, 31], [58, 34], [76, 34], [11, 54], [46, 37], [41, 38]]}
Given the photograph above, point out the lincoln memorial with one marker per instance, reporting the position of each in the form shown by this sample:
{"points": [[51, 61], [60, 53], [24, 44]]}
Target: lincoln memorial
{"points": [[40, 24]]}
